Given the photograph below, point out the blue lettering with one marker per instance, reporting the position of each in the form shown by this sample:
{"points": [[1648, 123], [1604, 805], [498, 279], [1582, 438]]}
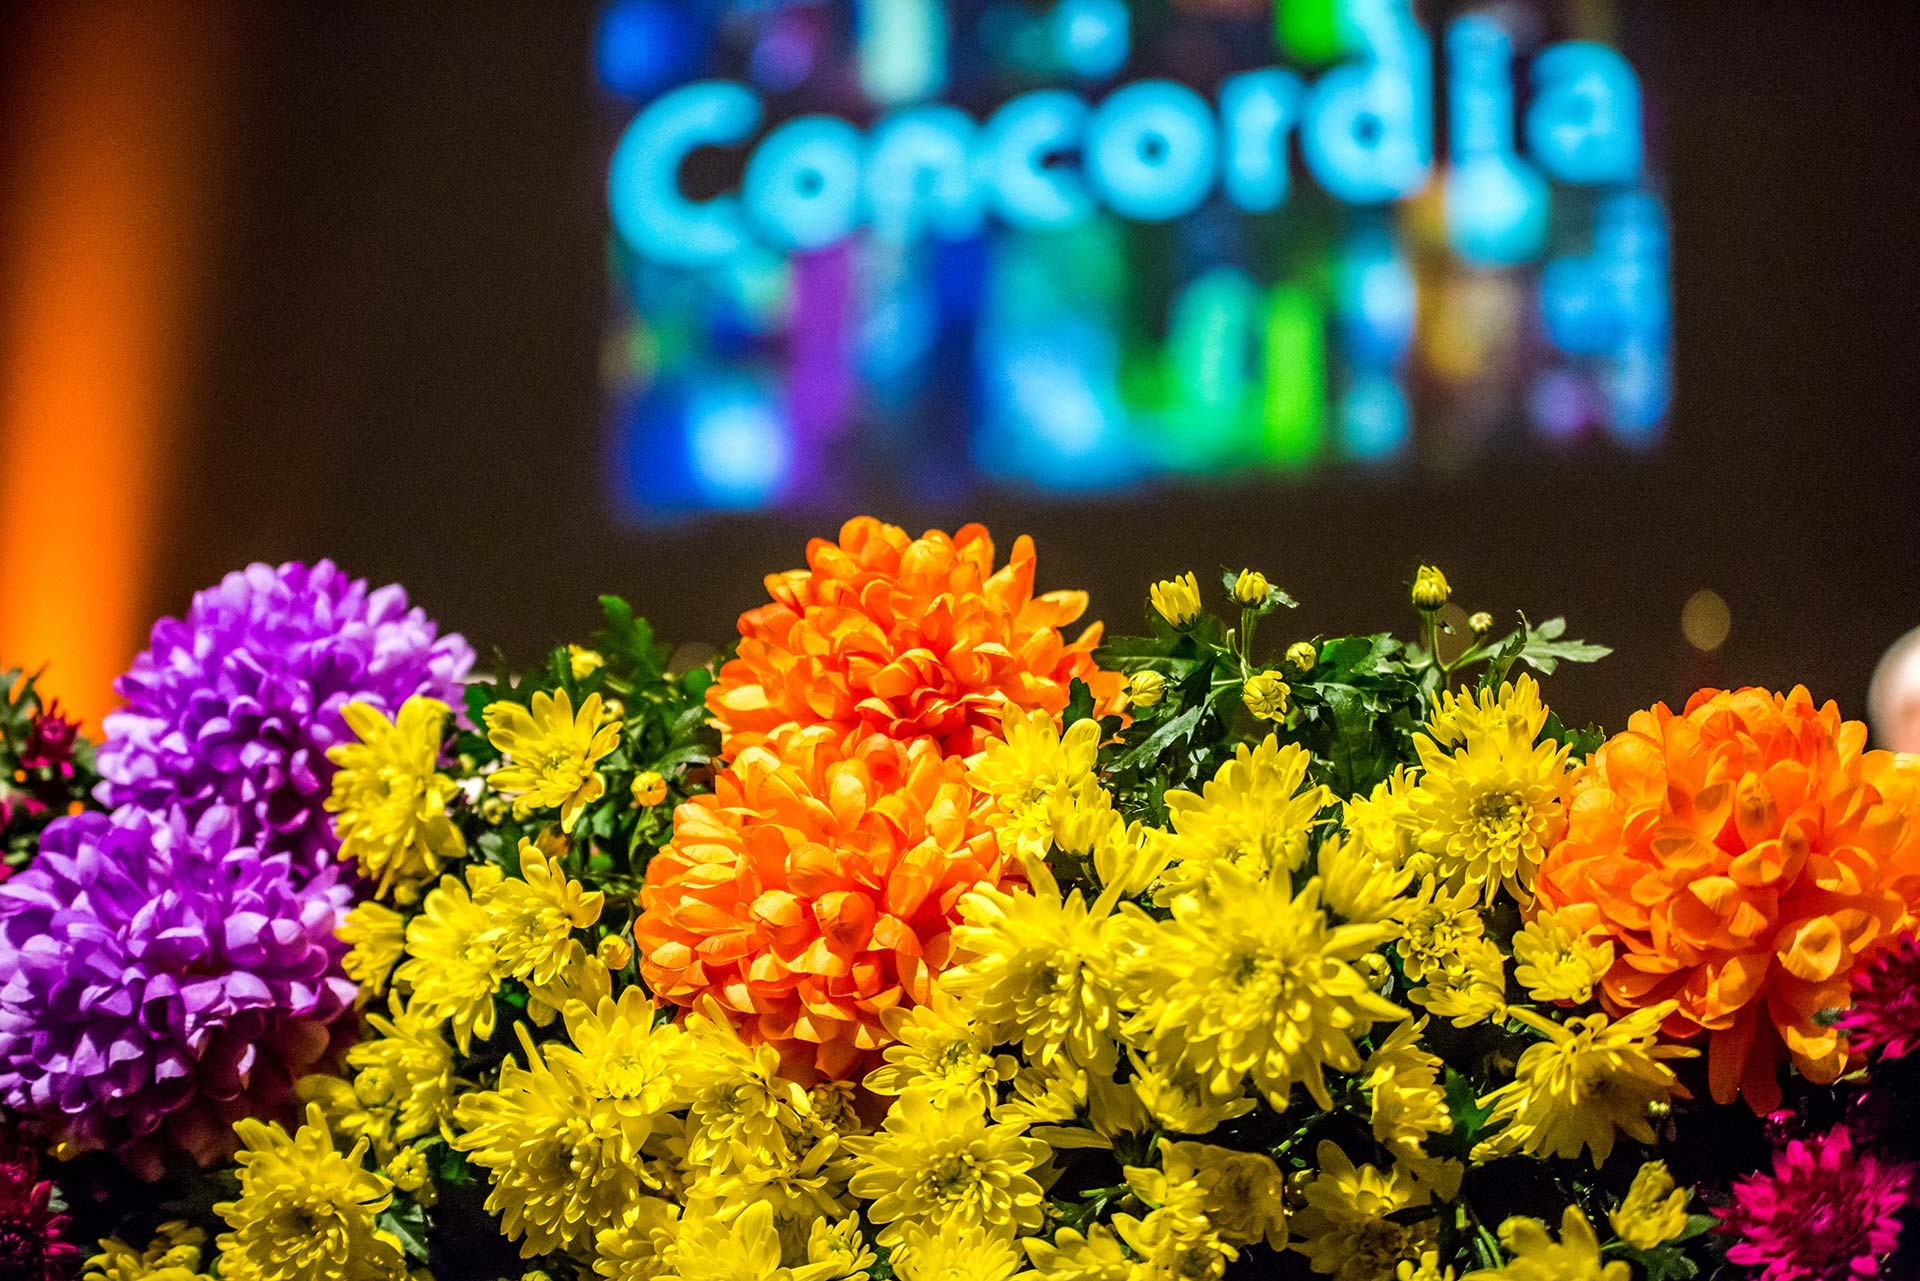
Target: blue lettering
{"points": [[803, 183], [920, 175], [1150, 150], [1584, 124], [643, 183], [1496, 204], [1021, 138], [1257, 108], [1368, 134]]}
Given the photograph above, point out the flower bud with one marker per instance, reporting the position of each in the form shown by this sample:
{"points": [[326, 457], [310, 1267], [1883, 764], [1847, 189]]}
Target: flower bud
{"points": [[584, 662], [408, 1170], [492, 809], [1146, 689], [615, 952], [1480, 623], [614, 710], [1265, 695], [1177, 599], [648, 788], [1250, 588], [1430, 590], [1303, 655]]}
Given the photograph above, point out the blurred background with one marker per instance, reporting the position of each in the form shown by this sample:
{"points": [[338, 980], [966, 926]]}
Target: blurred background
{"points": [[1605, 306]]}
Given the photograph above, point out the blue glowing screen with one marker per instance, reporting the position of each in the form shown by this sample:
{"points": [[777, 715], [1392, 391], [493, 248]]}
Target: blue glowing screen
{"points": [[927, 248]]}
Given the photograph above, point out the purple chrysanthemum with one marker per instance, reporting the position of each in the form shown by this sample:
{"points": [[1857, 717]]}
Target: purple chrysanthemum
{"points": [[1885, 1018], [159, 980], [1827, 1212], [236, 704]]}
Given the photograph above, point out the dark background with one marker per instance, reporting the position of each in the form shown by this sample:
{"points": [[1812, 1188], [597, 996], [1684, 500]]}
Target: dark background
{"points": [[401, 351]]}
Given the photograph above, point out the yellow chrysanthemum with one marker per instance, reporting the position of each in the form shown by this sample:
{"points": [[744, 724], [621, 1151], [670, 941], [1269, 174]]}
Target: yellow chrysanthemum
{"points": [[1172, 1242], [566, 1138], [1654, 1211], [625, 1059], [1041, 970], [390, 797], [1242, 1194], [743, 1247], [1176, 599], [1357, 884], [1381, 821], [551, 753], [452, 966], [1352, 1227], [1470, 989], [635, 1248], [941, 1051], [1251, 983], [1255, 815], [1031, 771], [1094, 1255], [1066, 1107], [532, 917], [932, 1164], [1427, 1268], [1593, 1078], [952, 1252], [1438, 928], [377, 938], [839, 1249], [1488, 810], [1538, 1257], [406, 1068], [1408, 1104], [176, 1253], [1557, 963], [1182, 1100], [305, 1211], [1516, 709]]}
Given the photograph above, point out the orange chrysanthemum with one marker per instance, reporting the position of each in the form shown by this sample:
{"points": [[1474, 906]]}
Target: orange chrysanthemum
{"points": [[1742, 861], [815, 889], [910, 638]]}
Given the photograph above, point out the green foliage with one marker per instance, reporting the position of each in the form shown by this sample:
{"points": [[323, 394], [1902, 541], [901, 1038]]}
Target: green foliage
{"points": [[664, 730], [34, 794], [1356, 709]]}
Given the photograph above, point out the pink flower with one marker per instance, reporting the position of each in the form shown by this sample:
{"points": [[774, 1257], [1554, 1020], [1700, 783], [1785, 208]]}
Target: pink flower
{"points": [[1826, 1213], [33, 1244], [1885, 1018], [50, 741]]}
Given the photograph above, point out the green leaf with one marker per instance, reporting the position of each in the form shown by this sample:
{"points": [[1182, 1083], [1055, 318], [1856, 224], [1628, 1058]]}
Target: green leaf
{"points": [[1079, 704], [1149, 748], [407, 1221], [1580, 743], [1544, 650], [1463, 1104], [1664, 1263]]}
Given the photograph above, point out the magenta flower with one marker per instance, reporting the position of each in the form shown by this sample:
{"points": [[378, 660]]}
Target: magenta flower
{"points": [[33, 1244], [50, 741], [1826, 1213], [159, 980], [1885, 1018], [236, 704]]}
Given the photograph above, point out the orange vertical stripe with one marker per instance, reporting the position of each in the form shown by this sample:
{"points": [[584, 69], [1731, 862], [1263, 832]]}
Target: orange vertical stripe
{"points": [[108, 176]]}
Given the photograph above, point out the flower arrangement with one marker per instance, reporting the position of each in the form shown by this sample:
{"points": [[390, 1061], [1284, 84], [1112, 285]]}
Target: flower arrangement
{"points": [[914, 937]]}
